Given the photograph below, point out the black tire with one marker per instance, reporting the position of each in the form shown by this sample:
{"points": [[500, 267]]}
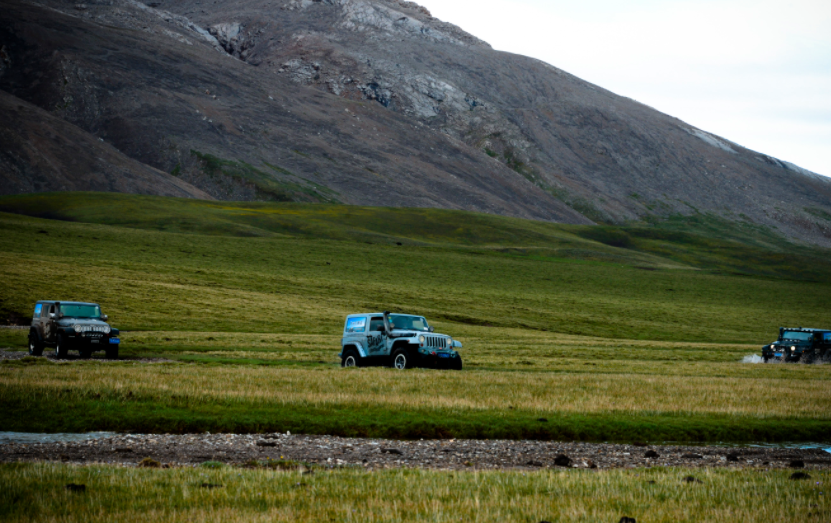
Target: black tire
{"points": [[766, 358], [61, 351], [401, 360], [84, 354], [35, 346], [457, 363], [351, 358], [112, 353]]}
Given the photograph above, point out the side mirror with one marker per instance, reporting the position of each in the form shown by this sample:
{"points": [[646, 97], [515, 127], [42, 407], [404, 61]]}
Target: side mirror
{"points": [[51, 315], [382, 329], [104, 317], [60, 315], [430, 329]]}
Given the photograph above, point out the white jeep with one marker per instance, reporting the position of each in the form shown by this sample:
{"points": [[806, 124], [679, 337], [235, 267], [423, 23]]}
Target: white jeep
{"points": [[401, 341]]}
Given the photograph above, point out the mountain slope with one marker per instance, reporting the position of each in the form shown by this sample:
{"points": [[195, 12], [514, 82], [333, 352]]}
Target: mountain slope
{"points": [[40, 152], [378, 103], [174, 102]]}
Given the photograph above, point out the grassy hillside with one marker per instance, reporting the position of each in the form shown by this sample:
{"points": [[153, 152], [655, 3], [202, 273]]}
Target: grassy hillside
{"points": [[608, 333]]}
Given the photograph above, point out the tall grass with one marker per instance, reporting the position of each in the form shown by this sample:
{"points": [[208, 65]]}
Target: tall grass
{"points": [[38, 493]]}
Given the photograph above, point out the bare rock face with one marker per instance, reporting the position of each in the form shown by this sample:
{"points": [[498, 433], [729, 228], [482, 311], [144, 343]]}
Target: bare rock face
{"points": [[376, 102]]}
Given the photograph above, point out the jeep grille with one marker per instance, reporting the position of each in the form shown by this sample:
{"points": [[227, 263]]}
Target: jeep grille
{"points": [[438, 343], [93, 328]]}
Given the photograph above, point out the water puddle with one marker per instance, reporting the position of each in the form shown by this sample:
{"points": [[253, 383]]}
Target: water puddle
{"points": [[28, 438]]}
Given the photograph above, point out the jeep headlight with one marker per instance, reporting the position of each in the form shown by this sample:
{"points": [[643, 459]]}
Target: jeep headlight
{"points": [[107, 329], [421, 338], [77, 327], [793, 348]]}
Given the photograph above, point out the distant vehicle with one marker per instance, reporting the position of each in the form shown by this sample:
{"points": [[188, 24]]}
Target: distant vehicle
{"points": [[401, 341], [800, 344], [71, 325]]}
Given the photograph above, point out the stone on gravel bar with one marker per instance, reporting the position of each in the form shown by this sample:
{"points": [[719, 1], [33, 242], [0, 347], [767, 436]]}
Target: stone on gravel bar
{"points": [[690, 455], [651, 454], [562, 460], [149, 463], [797, 464], [732, 457], [266, 443]]}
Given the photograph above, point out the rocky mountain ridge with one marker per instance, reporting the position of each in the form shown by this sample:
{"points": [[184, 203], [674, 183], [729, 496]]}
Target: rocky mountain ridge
{"points": [[394, 107]]}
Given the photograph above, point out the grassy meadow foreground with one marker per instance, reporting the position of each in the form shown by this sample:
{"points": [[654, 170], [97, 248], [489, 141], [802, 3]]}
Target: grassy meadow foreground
{"points": [[621, 334], [37, 492]]}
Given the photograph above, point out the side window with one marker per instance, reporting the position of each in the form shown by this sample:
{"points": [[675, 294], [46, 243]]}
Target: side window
{"points": [[826, 337], [38, 310], [355, 325], [376, 323]]}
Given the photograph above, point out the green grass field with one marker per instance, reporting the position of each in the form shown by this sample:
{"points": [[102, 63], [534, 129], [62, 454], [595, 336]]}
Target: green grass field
{"points": [[37, 492], [631, 333]]}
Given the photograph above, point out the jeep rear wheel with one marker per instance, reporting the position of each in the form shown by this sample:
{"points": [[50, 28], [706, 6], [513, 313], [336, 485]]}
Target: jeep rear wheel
{"points": [[60, 348], [350, 359], [35, 346], [400, 359]]}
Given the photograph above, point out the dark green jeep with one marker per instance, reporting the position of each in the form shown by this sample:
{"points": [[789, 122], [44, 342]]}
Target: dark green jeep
{"points": [[800, 344], [71, 325]]}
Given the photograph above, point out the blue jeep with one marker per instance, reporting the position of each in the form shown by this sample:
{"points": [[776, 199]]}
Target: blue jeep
{"points": [[401, 341], [806, 345]]}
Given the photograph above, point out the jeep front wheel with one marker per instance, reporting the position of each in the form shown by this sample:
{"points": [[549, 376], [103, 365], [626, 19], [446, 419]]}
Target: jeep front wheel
{"points": [[400, 359], [112, 353], [35, 346], [350, 359], [60, 348]]}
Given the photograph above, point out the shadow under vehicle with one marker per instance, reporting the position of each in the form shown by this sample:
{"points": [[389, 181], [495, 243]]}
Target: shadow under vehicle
{"points": [[71, 325], [800, 344], [401, 341]]}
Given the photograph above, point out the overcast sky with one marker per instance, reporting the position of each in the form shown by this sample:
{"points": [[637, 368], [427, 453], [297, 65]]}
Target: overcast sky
{"points": [[755, 72]]}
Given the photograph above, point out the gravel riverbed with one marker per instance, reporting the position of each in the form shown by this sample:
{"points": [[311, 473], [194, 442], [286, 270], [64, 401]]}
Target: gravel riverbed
{"points": [[236, 449]]}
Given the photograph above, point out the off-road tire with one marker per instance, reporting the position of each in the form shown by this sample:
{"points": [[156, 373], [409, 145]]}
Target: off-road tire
{"points": [[401, 359], [35, 346], [85, 354], [351, 358], [61, 352], [112, 353], [456, 364]]}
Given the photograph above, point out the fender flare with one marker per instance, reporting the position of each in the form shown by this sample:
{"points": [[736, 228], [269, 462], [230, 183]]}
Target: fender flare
{"points": [[358, 348], [36, 333]]}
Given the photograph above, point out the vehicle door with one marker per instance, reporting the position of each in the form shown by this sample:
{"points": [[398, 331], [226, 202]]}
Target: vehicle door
{"points": [[37, 319], [50, 322], [355, 331], [376, 341]]}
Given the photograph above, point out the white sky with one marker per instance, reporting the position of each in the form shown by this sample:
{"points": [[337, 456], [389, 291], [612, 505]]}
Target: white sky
{"points": [[757, 72]]}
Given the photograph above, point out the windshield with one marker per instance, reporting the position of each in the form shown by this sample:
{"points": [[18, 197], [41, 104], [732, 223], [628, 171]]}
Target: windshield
{"points": [[795, 335], [81, 311], [416, 323]]}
